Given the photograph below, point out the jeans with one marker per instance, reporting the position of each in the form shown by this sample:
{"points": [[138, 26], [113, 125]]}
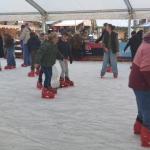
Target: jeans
{"points": [[64, 69], [33, 55], [40, 75], [113, 60], [143, 105], [10, 56], [26, 55], [48, 76]]}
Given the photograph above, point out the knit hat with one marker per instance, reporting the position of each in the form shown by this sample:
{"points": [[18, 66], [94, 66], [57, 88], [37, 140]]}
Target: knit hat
{"points": [[26, 24]]}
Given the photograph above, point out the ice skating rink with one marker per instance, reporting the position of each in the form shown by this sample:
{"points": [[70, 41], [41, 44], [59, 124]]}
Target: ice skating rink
{"points": [[96, 114]]}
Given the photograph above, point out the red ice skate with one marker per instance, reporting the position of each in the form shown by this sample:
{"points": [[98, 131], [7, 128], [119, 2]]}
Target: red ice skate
{"points": [[8, 67], [115, 75], [31, 74], [63, 83], [137, 127], [46, 93], [70, 83], [0, 69], [37, 71], [109, 69], [145, 137], [23, 65], [101, 75], [51, 90], [13, 67], [39, 85]]}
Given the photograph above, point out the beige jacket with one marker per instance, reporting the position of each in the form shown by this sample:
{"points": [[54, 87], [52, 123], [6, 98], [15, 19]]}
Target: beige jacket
{"points": [[25, 35]]}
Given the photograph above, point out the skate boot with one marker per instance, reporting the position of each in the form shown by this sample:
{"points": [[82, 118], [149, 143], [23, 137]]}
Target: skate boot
{"points": [[13, 67], [109, 69], [39, 85], [137, 127], [101, 75], [70, 83], [31, 74], [145, 137], [51, 90], [8, 67], [37, 71], [23, 65], [46, 93], [115, 75], [63, 83]]}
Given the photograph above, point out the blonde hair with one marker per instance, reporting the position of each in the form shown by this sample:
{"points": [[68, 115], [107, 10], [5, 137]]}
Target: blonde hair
{"points": [[51, 36]]}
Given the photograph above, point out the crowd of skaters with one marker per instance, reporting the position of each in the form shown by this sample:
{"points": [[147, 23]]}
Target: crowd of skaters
{"points": [[41, 53]]}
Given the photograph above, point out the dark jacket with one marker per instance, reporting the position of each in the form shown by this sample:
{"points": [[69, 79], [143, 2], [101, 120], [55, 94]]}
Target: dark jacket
{"points": [[9, 42], [114, 41], [1, 48], [134, 43], [64, 49], [76, 41], [101, 37], [47, 54], [33, 43], [140, 35]]}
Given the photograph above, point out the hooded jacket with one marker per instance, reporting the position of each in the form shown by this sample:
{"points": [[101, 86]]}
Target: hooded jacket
{"points": [[33, 43], [25, 35]]}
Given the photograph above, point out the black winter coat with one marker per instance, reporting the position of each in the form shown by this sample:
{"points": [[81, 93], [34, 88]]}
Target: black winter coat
{"points": [[134, 43], [64, 49], [1, 48], [101, 37], [33, 43]]}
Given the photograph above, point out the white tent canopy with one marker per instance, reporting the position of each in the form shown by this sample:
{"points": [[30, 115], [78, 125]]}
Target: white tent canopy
{"points": [[32, 10]]}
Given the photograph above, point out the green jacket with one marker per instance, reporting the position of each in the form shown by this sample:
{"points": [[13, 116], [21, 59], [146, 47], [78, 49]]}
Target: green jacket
{"points": [[47, 54]]}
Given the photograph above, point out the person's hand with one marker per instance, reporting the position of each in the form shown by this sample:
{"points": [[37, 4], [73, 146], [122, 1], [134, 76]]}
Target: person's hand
{"points": [[36, 65], [106, 50], [124, 50], [64, 60], [117, 54]]}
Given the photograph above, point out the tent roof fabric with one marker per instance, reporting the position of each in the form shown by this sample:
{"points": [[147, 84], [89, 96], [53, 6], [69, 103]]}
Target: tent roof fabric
{"points": [[73, 9], [117, 23]]}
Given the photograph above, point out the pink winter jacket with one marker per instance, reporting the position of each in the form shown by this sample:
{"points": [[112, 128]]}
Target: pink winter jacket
{"points": [[139, 78]]}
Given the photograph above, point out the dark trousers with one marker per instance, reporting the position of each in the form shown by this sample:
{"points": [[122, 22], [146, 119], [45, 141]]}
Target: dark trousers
{"points": [[33, 55], [83, 49], [40, 76], [133, 55], [48, 76], [10, 56], [77, 54]]}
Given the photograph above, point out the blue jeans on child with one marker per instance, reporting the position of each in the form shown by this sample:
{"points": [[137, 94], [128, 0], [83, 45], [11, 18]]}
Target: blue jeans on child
{"points": [[48, 76], [26, 55], [113, 60], [10, 56], [143, 104]]}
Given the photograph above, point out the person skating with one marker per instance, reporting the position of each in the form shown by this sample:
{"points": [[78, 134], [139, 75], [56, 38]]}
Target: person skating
{"points": [[134, 43], [25, 35], [1, 51], [139, 81], [33, 45], [64, 49], [9, 45], [46, 58], [110, 45]]}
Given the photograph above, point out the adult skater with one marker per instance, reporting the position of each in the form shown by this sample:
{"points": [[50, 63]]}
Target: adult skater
{"points": [[46, 58], [139, 81], [134, 43], [1, 51], [33, 45], [110, 45], [64, 49], [140, 34]]}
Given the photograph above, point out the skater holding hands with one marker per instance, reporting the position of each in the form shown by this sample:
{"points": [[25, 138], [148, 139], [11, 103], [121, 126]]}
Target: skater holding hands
{"points": [[46, 58]]}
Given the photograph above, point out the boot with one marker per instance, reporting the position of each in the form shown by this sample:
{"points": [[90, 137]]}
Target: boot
{"points": [[37, 71], [23, 65], [145, 137], [51, 90], [31, 74], [63, 83], [8, 67], [101, 75], [46, 93], [115, 75], [13, 67], [109, 69], [137, 127], [39, 85], [70, 83]]}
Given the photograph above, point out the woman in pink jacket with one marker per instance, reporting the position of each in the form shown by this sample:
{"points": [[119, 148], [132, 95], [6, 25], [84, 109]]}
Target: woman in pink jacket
{"points": [[139, 81]]}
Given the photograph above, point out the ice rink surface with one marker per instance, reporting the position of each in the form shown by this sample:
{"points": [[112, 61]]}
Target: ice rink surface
{"points": [[95, 114]]}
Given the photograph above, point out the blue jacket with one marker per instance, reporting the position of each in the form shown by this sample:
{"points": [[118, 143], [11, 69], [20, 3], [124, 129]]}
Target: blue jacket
{"points": [[33, 43]]}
